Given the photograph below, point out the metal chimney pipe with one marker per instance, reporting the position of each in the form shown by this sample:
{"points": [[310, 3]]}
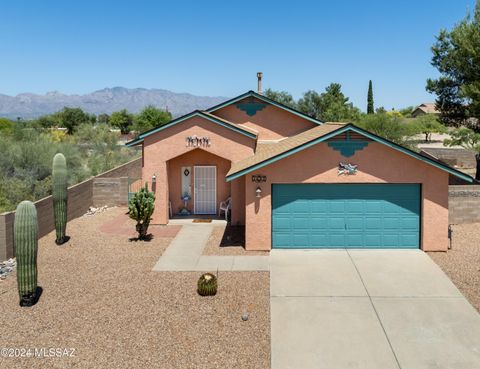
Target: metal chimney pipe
{"points": [[259, 82]]}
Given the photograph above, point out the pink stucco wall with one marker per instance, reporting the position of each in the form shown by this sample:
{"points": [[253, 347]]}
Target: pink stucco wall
{"points": [[377, 164], [170, 143], [271, 123]]}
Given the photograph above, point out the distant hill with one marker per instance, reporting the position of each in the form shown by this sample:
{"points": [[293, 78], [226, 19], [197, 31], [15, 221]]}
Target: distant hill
{"points": [[108, 100]]}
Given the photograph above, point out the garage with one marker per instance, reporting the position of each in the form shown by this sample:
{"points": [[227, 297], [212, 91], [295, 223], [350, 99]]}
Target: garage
{"points": [[346, 215]]}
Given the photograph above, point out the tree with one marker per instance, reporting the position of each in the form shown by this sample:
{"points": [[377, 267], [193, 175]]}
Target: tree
{"points": [[46, 121], [103, 118], [71, 118], [122, 120], [387, 126], [455, 55], [151, 117], [469, 140], [428, 124], [310, 104], [330, 106], [370, 106], [283, 97]]}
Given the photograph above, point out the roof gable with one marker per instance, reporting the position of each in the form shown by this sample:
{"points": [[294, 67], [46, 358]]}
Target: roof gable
{"points": [[316, 135], [197, 113], [248, 109]]}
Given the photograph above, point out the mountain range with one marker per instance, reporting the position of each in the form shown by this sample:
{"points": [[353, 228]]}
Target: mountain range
{"points": [[107, 100]]}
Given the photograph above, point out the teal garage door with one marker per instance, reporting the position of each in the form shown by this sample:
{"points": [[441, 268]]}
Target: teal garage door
{"points": [[346, 216]]}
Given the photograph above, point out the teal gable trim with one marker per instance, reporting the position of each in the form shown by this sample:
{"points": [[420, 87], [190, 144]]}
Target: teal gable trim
{"points": [[353, 128], [348, 147], [199, 114], [134, 142], [266, 100], [251, 108]]}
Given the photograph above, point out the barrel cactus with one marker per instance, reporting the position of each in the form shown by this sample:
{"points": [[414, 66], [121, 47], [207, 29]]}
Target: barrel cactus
{"points": [[207, 285], [60, 197], [140, 209], [26, 244]]}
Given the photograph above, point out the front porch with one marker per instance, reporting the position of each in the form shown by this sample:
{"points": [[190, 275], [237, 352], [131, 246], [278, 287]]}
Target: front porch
{"points": [[197, 186]]}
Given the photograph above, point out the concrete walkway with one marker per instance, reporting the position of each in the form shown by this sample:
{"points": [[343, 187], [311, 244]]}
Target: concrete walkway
{"points": [[185, 254], [368, 309]]}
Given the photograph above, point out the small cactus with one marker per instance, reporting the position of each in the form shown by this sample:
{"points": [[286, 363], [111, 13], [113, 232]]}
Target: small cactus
{"points": [[60, 197], [26, 245], [207, 285], [140, 209]]}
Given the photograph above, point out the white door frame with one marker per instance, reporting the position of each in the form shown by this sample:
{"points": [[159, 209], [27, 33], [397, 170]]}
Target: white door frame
{"points": [[214, 211]]}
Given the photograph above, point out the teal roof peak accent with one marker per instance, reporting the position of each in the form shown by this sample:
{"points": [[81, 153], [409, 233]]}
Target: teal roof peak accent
{"points": [[266, 100]]}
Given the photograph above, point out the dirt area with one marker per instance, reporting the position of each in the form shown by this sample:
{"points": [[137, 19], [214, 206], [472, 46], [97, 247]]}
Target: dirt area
{"points": [[101, 298], [228, 240], [462, 262]]}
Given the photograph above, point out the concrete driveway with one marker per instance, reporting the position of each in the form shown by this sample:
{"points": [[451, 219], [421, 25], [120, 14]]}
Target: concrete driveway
{"points": [[368, 309]]}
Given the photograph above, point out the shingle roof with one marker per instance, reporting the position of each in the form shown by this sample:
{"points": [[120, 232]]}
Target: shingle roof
{"points": [[428, 108], [266, 151]]}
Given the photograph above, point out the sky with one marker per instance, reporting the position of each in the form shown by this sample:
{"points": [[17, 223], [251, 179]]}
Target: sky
{"points": [[215, 48]]}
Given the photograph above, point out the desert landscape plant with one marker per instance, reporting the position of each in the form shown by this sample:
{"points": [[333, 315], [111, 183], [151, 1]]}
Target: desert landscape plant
{"points": [[26, 246], [140, 209], [207, 285], [60, 197]]}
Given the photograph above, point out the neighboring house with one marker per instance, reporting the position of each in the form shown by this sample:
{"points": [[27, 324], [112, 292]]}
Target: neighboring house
{"points": [[458, 158], [296, 182], [423, 109]]}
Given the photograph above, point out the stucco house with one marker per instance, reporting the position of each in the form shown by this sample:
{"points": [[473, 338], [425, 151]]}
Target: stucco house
{"points": [[294, 181]]}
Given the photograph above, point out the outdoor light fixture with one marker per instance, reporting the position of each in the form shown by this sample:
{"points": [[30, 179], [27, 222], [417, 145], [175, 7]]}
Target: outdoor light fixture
{"points": [[154, 178], [258, 192], [259, 178]]}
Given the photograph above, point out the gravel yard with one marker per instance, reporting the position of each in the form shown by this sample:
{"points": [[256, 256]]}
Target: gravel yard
{"points": [[101, 298], [229, 240], [462, 262]]}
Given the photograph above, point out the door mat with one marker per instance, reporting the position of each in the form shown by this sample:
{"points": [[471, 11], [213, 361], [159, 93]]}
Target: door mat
{"points": [[202, 221]]}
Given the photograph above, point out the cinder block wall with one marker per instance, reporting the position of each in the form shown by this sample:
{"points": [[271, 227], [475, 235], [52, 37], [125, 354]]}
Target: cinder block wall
{"points": [[464, 204], [110, 191], [109, 188]]}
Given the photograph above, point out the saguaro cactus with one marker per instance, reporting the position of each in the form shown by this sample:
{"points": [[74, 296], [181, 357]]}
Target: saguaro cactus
{"points": [[26, 244], [60, 196]]}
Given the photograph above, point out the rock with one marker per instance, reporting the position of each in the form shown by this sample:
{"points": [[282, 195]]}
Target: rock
{"points": [[245, 317], [7, 267]]}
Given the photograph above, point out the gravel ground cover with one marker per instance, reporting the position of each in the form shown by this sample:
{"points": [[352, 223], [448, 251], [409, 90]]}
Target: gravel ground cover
{"points": [[462, 262], [101, 298], [228, 240]]}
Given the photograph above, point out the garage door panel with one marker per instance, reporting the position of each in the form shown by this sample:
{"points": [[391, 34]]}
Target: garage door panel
{"points": [[355, 223], [336, 223], [318, 222], [354, 240], [353, 215], [280, 222], [301, 222], [337, 206], [354, 206]]}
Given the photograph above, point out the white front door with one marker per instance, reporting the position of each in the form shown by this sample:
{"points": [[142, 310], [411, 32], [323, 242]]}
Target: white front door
{"points": [[205, 178]]}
